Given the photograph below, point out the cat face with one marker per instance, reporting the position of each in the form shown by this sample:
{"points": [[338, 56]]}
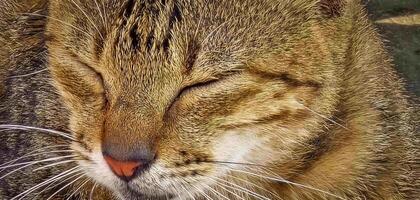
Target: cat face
{"points": [[173, 99]]}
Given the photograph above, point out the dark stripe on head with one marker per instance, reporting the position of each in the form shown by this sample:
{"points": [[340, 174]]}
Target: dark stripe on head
{"points": [[191, 57], [331, 8], [176, 16], [135, 37], [129, 9], [150, 40]]}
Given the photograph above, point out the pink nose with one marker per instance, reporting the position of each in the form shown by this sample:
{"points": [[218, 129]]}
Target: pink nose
{"points": [[124, 169]]}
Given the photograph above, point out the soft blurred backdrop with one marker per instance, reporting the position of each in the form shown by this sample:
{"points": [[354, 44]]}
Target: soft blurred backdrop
{"points": [[399, 23]]}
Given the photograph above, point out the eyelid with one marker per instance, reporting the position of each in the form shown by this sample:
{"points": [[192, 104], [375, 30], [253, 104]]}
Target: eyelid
{"points": [[199, 84], [192, 86], [88, 69]]}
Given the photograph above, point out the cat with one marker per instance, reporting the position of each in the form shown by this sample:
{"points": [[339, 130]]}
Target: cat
{"points": [[201, 99]]}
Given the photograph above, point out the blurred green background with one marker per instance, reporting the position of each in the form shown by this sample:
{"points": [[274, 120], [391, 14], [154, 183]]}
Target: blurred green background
{"points": [[399, 23]]}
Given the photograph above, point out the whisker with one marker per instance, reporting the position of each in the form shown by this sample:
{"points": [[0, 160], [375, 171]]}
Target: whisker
{"points": [[90, 20], [91, 192], [104, 14], [58, 20], [255, 185], [276, 179], [100, 13], [177, 193], [59, 176], [36, 161], [233, 163], [183, 187], [223, 187], [20, 168], [55, 184], [54, 164], [23, 127], [26, 75], [31, 154], [65, 186], [212, 32], [324, 117], [202, 192], [254, 194], [198, 27], [78, 189], [215, 192], [13, 164]]}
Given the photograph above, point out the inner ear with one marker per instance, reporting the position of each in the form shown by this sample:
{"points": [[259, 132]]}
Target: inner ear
{"points": [[331, 8]]}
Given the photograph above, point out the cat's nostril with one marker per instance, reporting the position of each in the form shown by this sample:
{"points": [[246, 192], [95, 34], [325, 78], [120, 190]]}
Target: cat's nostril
{"points": [[128, 160], [126, 169], [123, 169]]}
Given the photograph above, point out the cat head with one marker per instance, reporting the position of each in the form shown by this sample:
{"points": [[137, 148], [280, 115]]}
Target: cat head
{"points": [[172, 98]]}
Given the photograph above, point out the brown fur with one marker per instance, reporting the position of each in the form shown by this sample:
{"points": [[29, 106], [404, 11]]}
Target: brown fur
{"points": [[306, 85]]}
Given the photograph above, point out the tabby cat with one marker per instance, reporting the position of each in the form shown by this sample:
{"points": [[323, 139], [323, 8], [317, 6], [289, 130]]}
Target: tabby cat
{"points": [[201, 99]]}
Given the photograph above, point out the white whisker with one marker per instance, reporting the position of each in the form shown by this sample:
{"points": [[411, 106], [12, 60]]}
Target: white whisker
{"points": [[59, 176], [80, 187], [324, 117], [36, 161], [26, 75], [30, 154], [202, 192], [58, 20], [277, 179], [218, 194], [183, 187], [92, 191], [238, 187], [212, 32], [13, 164], [223, 187], [20, 168], [54, 164], [22, 127], [90, 19], [55, 184], [255, 185], [100, 13], [65, 186]]}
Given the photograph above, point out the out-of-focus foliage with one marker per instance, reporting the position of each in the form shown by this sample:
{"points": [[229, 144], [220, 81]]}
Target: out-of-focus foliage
{"points": [[399, 23]]}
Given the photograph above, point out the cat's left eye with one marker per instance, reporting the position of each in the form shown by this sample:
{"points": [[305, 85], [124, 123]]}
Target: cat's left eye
{"points": [[198, 85]]}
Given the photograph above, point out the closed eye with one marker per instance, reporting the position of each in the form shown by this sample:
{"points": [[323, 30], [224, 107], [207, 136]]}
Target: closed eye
{"points": [[210, 81], [198, 85], [192, 87]]}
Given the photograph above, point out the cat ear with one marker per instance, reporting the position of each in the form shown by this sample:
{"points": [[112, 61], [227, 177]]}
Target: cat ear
{"points": [[331, 8]]}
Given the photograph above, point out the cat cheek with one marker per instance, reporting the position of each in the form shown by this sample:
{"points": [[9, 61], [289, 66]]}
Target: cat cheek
{"points": [[236, 145]]}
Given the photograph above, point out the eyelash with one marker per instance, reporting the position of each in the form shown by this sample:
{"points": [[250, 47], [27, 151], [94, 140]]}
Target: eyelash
{"points": [[197, 85], [186, 89], [227, 75]]}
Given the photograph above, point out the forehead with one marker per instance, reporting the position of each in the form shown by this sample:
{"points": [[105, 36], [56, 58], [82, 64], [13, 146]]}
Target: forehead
{"points": [[178, 30]]}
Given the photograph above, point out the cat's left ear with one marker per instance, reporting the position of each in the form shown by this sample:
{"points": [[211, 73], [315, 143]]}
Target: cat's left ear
{"points": [[331, 8]]}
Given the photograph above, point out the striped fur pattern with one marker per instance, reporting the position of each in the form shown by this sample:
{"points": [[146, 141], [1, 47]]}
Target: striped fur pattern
{"points": [[238, 99]]}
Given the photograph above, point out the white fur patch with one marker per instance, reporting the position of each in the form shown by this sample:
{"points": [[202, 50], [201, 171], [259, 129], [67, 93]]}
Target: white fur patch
{"points": [[238, 146], [100, 171]]}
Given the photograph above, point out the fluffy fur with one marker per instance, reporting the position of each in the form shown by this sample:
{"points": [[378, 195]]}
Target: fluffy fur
{"points": [[292, 99]]}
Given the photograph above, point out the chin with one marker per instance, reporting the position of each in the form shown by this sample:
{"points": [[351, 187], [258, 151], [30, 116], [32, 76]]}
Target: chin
{"points": [[130, 194]]}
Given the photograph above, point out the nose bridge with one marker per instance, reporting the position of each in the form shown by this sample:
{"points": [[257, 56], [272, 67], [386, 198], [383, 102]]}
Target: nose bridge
{"points": [[131, 130]]}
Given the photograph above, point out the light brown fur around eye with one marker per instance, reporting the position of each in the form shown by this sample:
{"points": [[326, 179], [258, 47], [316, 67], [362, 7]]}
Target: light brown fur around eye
{"points": [[236, 99]]}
